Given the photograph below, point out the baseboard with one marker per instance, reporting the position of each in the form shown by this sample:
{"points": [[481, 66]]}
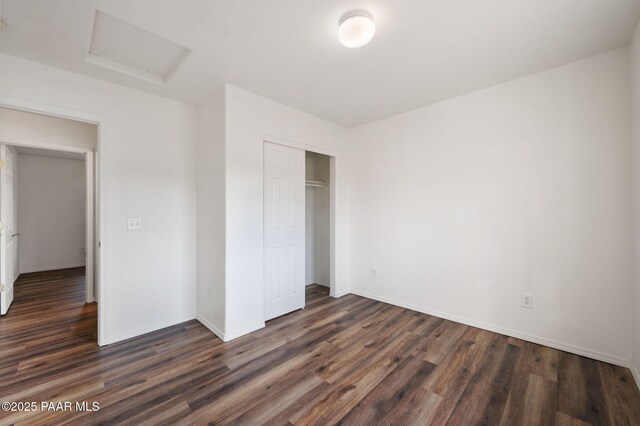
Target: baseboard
{"points": [[148, 329], [636, 375], [501, 330], [241, 332], [226, 337], [322, 285], [51, 269], [329, 287], [215, 330], [344, 293]]}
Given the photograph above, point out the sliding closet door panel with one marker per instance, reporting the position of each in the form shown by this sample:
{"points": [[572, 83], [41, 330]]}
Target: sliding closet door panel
{"points": [[284, 229]]}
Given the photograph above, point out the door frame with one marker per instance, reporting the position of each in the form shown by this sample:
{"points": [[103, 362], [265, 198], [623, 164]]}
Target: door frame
{"points": [[95, 228], [332, 200]]}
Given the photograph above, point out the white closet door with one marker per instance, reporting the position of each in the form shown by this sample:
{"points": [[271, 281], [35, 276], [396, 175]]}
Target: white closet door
{"points": [[8, 232], [284, 229]]}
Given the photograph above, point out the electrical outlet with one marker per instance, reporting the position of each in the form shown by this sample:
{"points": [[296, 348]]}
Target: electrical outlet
{"points": [[374, 273], [134, 223], [209, 292], [526, 301]]}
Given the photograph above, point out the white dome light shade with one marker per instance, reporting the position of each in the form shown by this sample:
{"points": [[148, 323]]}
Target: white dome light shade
{"points": [[356, 28]]}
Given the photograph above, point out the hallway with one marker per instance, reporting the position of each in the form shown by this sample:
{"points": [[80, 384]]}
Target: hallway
{"points": [[47, 320]]}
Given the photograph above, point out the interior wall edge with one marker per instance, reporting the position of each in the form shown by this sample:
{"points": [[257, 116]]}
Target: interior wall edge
{"points": [[211, 212], [567, 347], [634, 57], [212, 327]]}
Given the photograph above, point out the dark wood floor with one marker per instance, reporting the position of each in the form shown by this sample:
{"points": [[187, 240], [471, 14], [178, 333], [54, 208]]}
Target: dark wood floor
{"points": [[350, 361]]}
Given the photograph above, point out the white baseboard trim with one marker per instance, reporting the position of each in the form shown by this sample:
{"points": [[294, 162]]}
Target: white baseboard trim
{"points": [[344, 293], [148, 329], [612, 359], [241, 332], [215, 330], [636, 375], [53, 268], [226, 337]]}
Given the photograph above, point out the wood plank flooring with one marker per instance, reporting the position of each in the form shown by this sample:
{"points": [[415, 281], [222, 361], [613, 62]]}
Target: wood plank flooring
{"points": [[350, 361]]}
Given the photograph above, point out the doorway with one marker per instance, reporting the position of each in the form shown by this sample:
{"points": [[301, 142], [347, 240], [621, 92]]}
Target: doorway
{"points": [[34, 129], [298, 233], [46, 211], [52, 133]]}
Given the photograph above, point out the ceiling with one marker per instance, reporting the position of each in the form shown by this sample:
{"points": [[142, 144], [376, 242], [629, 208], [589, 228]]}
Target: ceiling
{"points": [[424, 51]]}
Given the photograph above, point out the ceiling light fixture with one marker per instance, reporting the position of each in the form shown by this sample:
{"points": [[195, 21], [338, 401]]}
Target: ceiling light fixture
{"points": [[356, 28]]}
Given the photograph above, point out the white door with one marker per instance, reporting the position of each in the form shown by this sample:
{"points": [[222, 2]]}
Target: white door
{"points": [[284, 229], [8, 245]]}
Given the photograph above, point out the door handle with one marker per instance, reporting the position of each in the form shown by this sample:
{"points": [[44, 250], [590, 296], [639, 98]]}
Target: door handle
{"points": [[17, 234]]}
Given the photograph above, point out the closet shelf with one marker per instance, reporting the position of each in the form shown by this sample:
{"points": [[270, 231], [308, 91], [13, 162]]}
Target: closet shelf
{"points": [[315, 183]]}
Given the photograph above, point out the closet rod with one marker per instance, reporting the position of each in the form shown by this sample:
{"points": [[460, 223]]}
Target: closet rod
{"points": [[315, 183]]}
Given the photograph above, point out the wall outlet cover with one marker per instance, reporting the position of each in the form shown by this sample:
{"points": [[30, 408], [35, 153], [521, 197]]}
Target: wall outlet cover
{"points": [[134, 223]]}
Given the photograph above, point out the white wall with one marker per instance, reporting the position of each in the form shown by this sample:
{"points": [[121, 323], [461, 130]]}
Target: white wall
{"points": [[211, 212], [29, 127], [635, 82], [51, 211], [249, 120], [523, 187], [147, 158]]}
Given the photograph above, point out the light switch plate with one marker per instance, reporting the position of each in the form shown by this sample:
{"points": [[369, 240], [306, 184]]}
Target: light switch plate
{"points": [[134, 223]]}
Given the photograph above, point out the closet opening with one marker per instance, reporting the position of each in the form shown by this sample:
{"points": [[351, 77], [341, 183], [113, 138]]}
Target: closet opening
{"points": [[299, 231], [317, 223]]}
